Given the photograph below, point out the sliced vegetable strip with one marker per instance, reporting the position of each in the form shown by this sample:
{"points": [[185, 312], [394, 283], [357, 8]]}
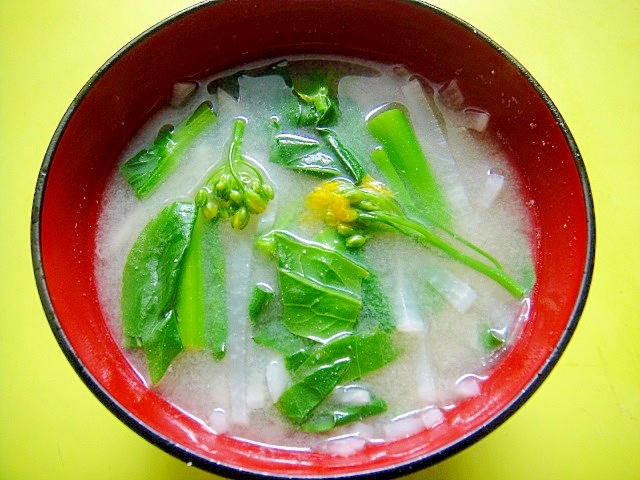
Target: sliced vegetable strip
{"points": [[149, 167], [393, 129], [201, 301]]}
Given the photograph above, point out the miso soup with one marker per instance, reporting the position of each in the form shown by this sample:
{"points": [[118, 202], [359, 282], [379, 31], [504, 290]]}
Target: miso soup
{"points": [[315, 253]]}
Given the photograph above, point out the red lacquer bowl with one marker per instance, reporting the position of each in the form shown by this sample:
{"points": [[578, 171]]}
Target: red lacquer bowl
{"points": [[217, 36]]}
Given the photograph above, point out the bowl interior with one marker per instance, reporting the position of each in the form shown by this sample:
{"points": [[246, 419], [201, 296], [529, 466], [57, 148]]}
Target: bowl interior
{"points": [[217, 36]]}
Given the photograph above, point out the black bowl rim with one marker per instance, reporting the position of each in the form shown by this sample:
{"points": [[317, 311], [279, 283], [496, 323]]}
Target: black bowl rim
{"points": [[230, 471]]}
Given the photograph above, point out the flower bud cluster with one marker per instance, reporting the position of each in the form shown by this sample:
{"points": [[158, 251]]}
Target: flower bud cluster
{"points": [[234, 195], [341, 203]]}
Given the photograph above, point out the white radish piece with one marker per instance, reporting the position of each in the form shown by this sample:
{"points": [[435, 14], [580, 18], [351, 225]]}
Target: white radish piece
{"points": [[458, 293], [238, 293], [408, 315], [467, 386], [493, 185], [182, 93], [402, 427], [343, 446], [277, 379], [432, 417], [218, 421], [351, 395], [434, 144]]}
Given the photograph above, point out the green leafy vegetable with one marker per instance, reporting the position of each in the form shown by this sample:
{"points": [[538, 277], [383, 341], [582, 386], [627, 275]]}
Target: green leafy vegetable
{"points": [[149, 167], [360, 208], [491, 339], [367, 353], [321, 289], [150, 280], [346, 157], [327, 418], [303, 154], [162, 346], [391, 177], [376, 310], [315, 85], [270, 331], [301, 398], [261, 296], [317, 104]]}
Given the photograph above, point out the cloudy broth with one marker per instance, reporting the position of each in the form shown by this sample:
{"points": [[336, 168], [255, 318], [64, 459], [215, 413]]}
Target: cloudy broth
{"points": [[452, 323]]}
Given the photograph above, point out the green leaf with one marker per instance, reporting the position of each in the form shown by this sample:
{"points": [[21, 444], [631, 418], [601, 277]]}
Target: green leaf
{"points": [[314, 311], [376, 307], [318, 263], [303, 154], [491, 339], [151, 277], [367, 353], [261, 297], [149, 167], [321, 289], [345, 156], [301, 398], [162, 346], [268, 329], [376, 310], [272, 333], [334, 416]]}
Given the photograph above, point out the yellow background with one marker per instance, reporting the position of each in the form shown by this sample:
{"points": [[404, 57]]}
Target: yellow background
{"points": [[584, 423]]}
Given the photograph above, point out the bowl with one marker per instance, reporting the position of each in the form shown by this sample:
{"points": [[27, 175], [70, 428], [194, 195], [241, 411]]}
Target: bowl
{"points": [[214, 37]]}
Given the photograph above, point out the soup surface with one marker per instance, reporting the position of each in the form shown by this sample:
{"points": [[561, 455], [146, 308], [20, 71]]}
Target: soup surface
{"points": [[315, 253]]}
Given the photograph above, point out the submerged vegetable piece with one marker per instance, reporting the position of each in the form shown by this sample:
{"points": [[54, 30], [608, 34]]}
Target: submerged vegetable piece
{"points": [[261, 297], [376, 308], [268, 329], [150, 280], [304, 154], [231, 84], [237, 189], [351, 208], [149, 167], [367, 353], [317, 104], [162, 346], [301, 398], [338, 415], [348, 160], [201, 297], [491, 339], [321, 289], [393, 129]]}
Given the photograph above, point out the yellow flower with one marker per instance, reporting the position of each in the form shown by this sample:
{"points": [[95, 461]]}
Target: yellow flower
{"points": [[328, 200]]}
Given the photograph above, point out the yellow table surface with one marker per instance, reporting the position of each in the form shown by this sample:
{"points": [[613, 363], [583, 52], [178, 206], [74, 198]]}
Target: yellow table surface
{"points": [[583, 423]]}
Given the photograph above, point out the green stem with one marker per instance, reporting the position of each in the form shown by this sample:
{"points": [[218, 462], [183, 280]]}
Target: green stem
{"points": [[402, 224], [392, 180], [201, 298], [147, 169], [392, 128], [346, 157], [235, 148], [190, 298]]}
